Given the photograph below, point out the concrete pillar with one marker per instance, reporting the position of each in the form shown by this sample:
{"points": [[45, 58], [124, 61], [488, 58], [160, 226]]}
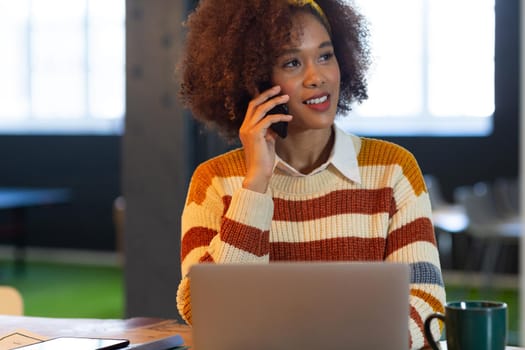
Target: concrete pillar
{"points": [[156, 156]]}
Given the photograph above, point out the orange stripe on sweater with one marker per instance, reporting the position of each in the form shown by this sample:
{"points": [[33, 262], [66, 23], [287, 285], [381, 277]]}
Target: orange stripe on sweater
{"points": [[196, 237], [246, 238], [256, 242], [206, 258], [334, 249], [334, 203], [241, 236], [418, 230], [418, 320], [232, 164], [374, 152], [431, 300]]}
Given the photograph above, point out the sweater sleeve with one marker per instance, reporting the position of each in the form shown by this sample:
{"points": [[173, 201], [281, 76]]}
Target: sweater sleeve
{"points": [[411, 240], [219, 227]]}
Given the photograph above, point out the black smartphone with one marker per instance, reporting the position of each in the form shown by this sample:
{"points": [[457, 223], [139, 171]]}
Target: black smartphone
{"points": [[280, 128]]}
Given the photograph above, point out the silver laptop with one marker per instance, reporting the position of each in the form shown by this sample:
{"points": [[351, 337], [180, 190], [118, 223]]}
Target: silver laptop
{"points": [[300, 306]]}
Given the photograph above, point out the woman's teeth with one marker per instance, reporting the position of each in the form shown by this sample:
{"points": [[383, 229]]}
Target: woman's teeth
{"points": [[317, 100]]}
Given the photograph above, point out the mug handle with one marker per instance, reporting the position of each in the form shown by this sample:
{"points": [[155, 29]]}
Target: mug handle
{"points": [[428, 332]]}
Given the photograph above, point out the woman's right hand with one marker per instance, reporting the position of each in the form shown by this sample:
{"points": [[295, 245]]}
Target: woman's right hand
{"points": [[258, 139]]}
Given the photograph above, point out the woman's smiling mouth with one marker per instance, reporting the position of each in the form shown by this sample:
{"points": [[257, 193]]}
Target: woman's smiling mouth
{"points": [[316, 100], [321, 103]]}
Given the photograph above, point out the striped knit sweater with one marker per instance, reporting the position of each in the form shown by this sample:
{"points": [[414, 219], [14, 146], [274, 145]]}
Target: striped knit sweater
{"points": [[321, 217]]}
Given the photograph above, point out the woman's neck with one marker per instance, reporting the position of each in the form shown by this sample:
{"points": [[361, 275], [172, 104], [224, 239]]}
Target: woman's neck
{"points": [[308, 150]]}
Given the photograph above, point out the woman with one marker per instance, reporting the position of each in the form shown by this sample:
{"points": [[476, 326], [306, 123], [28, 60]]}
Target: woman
{"points": [[318, 194]]}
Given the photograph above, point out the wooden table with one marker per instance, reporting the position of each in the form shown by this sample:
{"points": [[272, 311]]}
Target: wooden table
{"points": [[138, 330]]}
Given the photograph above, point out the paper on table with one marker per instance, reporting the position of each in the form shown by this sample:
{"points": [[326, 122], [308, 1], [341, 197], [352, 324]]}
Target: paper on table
{"points": [[19, 338]]}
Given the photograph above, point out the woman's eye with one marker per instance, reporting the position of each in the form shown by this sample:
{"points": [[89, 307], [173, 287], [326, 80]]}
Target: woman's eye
{"points": [[327, 56], [291, 63]]}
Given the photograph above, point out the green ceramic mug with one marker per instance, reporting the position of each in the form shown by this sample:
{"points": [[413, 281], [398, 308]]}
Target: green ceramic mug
{"points": [[472, 325]]}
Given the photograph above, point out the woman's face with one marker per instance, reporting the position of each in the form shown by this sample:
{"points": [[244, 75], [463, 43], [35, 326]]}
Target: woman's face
{"points": [[308, 72]]}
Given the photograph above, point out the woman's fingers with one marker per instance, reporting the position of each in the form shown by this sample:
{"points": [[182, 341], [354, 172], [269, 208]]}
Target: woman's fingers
{"points": [[261, 98], [255, 125], [264, 99], [258, 108]]}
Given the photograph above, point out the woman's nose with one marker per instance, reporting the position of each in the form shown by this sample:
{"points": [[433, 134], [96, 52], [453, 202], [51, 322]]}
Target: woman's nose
{"points": [[313, 76]]}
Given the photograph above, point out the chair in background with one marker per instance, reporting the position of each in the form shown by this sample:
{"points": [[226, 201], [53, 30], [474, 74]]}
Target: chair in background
{"points": [[119, 211], [490, 230], [11, 302], [507, 196], [449, 219]]}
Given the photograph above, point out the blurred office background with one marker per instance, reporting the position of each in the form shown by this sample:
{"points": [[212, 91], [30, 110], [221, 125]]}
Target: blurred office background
{"points": [[88, 103]]}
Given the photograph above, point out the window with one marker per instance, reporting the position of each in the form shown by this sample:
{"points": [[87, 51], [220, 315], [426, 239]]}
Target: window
{"points": [[63, 70], [433, 69], [62, 66]]}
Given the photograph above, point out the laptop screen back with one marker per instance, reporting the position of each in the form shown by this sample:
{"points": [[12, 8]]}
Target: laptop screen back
{"points": [[300, 306]]}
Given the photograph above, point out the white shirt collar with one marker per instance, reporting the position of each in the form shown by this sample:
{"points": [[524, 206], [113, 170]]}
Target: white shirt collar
{"points": [[343, 157]]}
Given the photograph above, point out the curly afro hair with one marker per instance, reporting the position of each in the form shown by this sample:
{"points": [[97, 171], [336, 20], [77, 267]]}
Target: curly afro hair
{"points": [[232, 46]]}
